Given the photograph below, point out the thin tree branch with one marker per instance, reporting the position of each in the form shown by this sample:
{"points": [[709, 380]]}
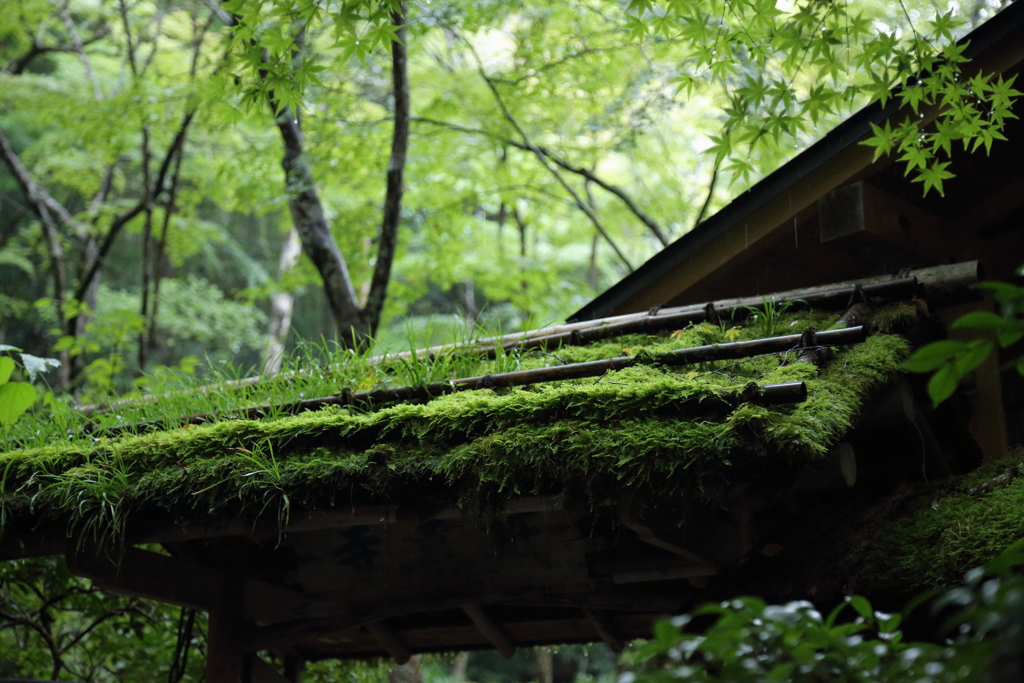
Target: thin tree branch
{"points": [[169, 210], [562, 60], [76, 41], [116, 612], [654, 227], [36, 194], [121, 220], [36, 197], [395, 172], [156, 38], [710, 194], [221, 13], [543, 160], [17, 65], [128, 38]]}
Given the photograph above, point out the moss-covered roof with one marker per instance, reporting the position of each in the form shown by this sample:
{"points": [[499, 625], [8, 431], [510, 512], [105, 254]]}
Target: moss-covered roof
{"points": [[638, 427], [929, 535]]}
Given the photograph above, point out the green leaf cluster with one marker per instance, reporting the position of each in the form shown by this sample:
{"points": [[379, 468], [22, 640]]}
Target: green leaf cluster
{"points": [[951, 360], [17, 397], [749, 640]]}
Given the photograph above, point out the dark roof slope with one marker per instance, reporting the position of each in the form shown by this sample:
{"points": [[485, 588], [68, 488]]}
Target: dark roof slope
{"points": [[648, 285]]}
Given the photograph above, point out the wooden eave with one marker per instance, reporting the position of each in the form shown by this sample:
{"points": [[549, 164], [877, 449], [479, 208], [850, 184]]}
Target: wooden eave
{"points": [[356, 580], [770, 238]]}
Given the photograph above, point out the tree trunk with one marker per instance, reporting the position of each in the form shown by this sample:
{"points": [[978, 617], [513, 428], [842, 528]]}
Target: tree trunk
{"points": [[356, 325], [395, 177], [311, 225], [281, 304]]}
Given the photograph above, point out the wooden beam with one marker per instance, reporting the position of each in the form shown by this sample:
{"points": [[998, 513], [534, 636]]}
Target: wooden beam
{"points": [[605, 629], [446, 636], [225, 659], [390, 641], [860, 208], [310, 630], [146, 574], [490, 629], [325, 520], [656, 534], [694, 571], [262, 672]]}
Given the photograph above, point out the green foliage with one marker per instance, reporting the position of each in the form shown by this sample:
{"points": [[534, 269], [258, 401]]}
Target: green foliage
{"points": [[768, 315], [750, 640], [17, 397], [56, 625], [786, 66], [972, 111], [745, 639], [952, 360]]}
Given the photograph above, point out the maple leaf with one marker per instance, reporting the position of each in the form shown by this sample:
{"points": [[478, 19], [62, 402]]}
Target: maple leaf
{"points": [[932, 177]]}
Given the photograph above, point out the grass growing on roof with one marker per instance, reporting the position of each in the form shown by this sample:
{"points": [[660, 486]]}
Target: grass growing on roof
{"points": [[324, 369], [642, 426], [935, 533]]}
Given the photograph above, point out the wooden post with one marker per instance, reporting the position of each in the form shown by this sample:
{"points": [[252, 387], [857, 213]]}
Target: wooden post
{"points": [[988, 421], [293, 666], [225, 661]]}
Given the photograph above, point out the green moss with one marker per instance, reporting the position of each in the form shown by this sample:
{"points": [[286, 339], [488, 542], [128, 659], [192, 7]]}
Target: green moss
{"points": [[644, 426], [895, 317], [935, 533]]}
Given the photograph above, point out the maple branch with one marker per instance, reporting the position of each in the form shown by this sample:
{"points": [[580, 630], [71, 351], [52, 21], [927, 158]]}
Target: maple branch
{"points": [[122, 219], [79, 47], [580, 204], [653, 225]]}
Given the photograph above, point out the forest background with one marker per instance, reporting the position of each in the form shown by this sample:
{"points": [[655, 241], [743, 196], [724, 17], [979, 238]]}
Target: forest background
{"points": [[146, 221], [451, 169]]}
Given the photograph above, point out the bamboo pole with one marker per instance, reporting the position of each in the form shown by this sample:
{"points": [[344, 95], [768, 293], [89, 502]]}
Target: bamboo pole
{"points": [[791, 392], [939, 284], [679, 317]]}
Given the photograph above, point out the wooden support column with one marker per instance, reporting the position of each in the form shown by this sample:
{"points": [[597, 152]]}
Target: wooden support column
{"points": [[988, 421], [293, 666], [490, 629], [390, 641], [225, 660]]}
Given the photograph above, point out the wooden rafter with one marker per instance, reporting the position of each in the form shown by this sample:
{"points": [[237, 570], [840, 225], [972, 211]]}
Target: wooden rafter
{"points": [[490, 629], [604, 629], [389, 640]]}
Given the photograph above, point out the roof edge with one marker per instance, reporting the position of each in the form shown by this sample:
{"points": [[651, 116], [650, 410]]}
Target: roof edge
{"points": [[839, 139]]}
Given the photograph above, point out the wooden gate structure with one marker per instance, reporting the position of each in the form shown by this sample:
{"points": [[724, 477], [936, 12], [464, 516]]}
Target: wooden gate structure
{"points": [[583, 497], [570, 502]]}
